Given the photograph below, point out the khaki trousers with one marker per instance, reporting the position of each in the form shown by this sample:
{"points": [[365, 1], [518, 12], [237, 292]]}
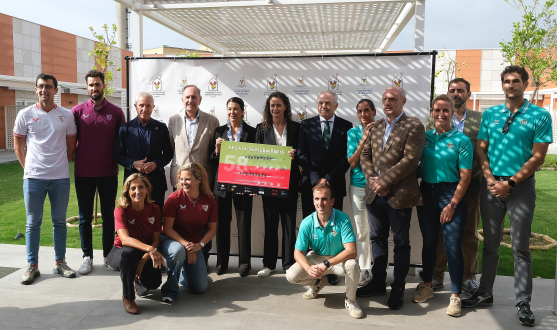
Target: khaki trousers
{"points": [[349, 269], [470, 240]]}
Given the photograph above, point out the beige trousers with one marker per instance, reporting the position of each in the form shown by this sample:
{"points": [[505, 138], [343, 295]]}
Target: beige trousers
{"points": [[349, 269]]}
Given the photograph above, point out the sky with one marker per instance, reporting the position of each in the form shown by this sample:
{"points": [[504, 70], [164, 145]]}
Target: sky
{"points": [[451, 24]]}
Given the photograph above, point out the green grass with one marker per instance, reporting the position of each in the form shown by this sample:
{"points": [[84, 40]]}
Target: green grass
{"points": [[12, 218], [550, 161], [12, 210]]}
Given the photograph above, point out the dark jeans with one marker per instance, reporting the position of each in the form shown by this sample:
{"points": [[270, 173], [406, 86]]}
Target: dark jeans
{"points": [[126, 259], [243, 206], [283, 210], [436, 197], [85, 190], [381, 216]]}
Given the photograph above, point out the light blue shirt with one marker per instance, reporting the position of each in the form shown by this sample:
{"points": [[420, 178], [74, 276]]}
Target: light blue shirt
{"points": [[238, 133], [459, 124], [191, 128], [389, 128]]}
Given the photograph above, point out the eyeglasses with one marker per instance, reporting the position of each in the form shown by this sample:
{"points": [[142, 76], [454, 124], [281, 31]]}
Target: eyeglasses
{"points": [[47, 87], [507, 124]]}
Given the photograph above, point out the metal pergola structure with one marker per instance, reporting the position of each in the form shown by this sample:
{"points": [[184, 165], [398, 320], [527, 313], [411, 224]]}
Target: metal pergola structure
{"points": [[282, 27]]}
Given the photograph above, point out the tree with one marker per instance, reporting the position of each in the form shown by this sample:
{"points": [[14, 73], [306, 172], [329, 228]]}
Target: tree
{"points": [[102, 52], [450, 68], [533, 44]]}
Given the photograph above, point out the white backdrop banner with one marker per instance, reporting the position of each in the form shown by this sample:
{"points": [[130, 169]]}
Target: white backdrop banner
{"points": [[351, 77]]}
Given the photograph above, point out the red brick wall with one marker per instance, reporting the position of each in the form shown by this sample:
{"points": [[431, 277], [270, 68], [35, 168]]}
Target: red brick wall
{"points": [[7, 46], [7, 97], [59, 54]]}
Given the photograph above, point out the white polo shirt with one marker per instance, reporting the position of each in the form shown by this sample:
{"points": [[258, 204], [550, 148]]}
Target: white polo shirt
{"points": [[46, 132]]}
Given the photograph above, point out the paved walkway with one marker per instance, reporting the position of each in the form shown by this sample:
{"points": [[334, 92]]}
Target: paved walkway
{"points": [[231, 302], [7, 156]]}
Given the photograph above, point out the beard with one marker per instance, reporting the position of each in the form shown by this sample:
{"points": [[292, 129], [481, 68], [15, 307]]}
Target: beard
{"points": [[458, 102], [96, 97]]}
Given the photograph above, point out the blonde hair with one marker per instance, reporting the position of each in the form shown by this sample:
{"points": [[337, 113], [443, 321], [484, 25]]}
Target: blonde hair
{"points": [[125, 200], [443, 97], [199, 173]]}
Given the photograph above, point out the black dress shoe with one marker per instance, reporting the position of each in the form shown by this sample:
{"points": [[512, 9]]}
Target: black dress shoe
{"points": [[332, 279], [373, 288], [396, 298], [244, 270], [221, 270]]}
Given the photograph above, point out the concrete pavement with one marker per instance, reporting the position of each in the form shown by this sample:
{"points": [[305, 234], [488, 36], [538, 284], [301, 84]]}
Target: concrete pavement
{"points": [[231, 302]]}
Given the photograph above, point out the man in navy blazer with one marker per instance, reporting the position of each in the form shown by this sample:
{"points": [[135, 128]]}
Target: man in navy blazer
{"points": [[322, 152], [143, 146]]}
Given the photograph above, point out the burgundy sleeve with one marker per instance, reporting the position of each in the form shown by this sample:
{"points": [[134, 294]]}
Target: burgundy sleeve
{"points": [[119, 219], [169, 208]]}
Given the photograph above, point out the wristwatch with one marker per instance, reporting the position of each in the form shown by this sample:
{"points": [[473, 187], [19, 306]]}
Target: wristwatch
{"points": [[326, 263], [453, 205], [511, 182], [202, 244]]}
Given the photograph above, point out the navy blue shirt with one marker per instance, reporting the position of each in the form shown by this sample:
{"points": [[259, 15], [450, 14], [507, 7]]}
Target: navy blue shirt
{"points": [[144, 137]]}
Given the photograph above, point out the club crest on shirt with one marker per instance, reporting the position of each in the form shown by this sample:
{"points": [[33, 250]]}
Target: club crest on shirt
{"points": [[109, 117], [523, 122], [183, 207], [334, 233], [205, 208], [151, 220], [450, 145], [85, 116], [61, 118], [131, 222]]}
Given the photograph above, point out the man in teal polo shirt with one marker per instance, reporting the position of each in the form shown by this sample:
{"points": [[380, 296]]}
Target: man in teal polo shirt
{"points": [[512, 144], [329, 234]]}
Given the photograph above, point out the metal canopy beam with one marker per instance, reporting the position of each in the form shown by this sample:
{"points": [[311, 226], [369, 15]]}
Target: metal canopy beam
{"points": [[266, 26]]}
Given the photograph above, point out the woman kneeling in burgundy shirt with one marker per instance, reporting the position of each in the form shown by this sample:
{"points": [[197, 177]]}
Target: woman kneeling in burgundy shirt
{"points": [[137, 222], [186, 213]]}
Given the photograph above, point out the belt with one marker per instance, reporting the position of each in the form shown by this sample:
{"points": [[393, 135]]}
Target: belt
{"points": [[505, 178]]}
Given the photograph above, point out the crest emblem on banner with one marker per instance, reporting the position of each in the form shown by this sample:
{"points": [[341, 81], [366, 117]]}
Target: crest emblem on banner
{"points": [[272, 83], [157, 83], [300, 82], [302, 113], [364, 81], [212, 111], [156, 110], [333, 83], [214, 83], [184, 82], [242, 82], [398, 81]]}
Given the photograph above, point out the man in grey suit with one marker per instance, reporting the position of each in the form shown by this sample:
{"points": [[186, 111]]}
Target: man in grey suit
{"points": [[191, 132], [468, 122]]}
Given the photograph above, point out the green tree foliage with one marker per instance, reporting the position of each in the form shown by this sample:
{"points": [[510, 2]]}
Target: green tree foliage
{"points": [[449, 69], [534, 42], [102, 52]]}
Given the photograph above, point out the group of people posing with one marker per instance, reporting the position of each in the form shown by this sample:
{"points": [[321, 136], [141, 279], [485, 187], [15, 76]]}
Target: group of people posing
{"points": [[468, 164]]}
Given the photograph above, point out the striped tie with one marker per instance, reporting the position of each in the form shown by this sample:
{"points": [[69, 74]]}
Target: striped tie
{"points": [[327, 134]]}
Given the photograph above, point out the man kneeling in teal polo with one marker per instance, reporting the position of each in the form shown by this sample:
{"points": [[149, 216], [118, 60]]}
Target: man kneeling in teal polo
{"points": [[329, 234]]}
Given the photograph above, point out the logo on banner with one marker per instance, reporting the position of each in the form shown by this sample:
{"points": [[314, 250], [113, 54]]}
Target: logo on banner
{"points": [[213, 87], [156, 112], [157, 83], [302, 113], [300, 82], [333, 84], [398, 81], [272, 83], [242, 91], [184, 82], [212, 111], [242, 82], [214, 83], [364, 81]]}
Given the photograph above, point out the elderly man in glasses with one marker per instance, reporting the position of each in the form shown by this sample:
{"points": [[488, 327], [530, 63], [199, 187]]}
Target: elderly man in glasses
{"points": [[512, 143]]}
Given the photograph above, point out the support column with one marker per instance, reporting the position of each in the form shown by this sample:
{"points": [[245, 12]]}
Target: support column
{"points": [[419, 26], [137, 46], [122, 25]]}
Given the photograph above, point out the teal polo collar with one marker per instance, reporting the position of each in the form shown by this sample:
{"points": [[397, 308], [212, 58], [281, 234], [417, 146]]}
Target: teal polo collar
{"points": [[331, 221], [446, 134], [522, 109]]}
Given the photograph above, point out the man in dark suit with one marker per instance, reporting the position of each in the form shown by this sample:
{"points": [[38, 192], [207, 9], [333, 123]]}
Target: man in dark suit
{"points": [[390, 161], [143, 146], [468, 122], [322, 150]]}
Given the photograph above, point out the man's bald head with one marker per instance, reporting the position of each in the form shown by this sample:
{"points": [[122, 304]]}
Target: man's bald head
{"points": [[393, 100]]}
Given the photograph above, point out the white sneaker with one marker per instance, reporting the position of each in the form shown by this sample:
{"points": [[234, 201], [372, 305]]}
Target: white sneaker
{"points": [[86, 266], [167, 299], [265, 272], [313, 291], [105, 262], [353, 308]]}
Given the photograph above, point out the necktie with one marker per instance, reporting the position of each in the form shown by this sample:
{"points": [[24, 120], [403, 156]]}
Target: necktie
{"points": [[327, 134]]}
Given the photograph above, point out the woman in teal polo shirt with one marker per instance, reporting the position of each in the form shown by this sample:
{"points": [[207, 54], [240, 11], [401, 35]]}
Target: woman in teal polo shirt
{"points": [[356, 139], [446, 169]]}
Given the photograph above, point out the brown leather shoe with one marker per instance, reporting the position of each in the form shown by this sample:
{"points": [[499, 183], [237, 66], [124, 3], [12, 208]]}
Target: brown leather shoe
{"points": [[130, 306]]}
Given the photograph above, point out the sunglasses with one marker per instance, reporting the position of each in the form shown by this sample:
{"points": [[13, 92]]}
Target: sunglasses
{"points": [[507, 124]]}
